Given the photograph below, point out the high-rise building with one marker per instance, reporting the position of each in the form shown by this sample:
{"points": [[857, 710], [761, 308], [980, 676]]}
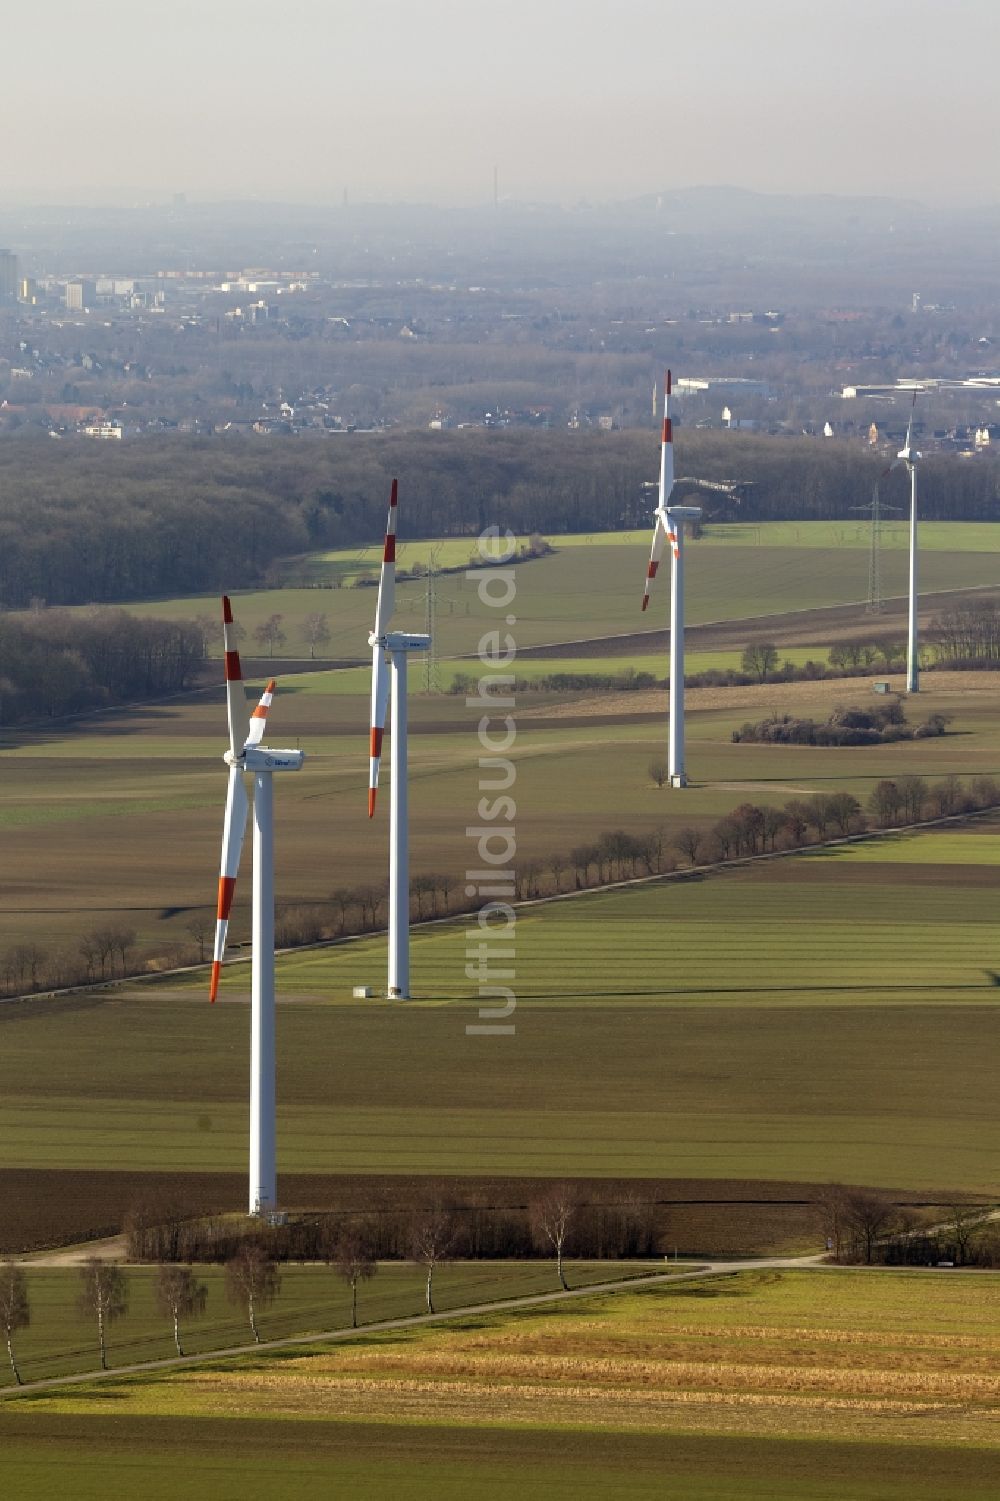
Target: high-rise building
{"points": [[8, 276], [80, 294]]}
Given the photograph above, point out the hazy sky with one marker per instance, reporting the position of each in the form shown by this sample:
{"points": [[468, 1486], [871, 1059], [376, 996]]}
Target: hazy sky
{"points": [[119, 98]]}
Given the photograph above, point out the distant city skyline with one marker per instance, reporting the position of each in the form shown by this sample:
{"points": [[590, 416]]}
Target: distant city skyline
{"points": [[420, 103]]}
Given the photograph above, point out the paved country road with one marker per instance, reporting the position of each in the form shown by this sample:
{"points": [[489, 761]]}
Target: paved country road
{"points": [[471, 1310]]}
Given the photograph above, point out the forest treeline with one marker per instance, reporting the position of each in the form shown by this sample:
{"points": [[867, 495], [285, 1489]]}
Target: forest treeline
{"points": [[56, 663], [84, 524]]}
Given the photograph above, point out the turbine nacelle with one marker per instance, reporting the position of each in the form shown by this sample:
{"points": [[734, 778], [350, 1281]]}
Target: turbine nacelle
{"points": [[683, 513], [400, 641], [263, 758]]}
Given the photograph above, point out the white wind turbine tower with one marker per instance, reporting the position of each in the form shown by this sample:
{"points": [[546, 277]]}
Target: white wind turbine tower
{"points": [[908, 457], [247, 755], [668, 525], [389, 654]]}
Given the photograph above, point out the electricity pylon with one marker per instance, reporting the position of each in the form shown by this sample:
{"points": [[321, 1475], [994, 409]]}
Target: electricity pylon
{"points": [[877, 508]]}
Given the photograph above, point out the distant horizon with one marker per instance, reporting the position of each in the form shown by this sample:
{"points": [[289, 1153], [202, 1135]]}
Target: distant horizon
{"points": [[140, 199], [401, 103]]}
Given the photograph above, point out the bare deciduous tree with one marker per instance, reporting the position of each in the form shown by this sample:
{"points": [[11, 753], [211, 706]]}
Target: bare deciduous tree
{"points": [[199, 928], [551, 1217], [689, 842], [658, 772], [315, 632], [966, 1222], [868, 1216], [252, 1282], [831, 1206], [104, 1295], [15, 1310], [432, 1237], [179, 1295], [343, 898], [269, 633], [351, 1253]]}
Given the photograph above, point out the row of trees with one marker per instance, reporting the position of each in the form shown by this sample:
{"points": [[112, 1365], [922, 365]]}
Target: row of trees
{"points": [[615, 855], [179, 514], [753, 829], [968, 634], [618, 1226], [251, 1282], [252, 1277]]}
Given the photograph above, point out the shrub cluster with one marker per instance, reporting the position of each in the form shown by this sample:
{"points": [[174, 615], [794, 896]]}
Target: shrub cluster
{"points": [[879, 725]]}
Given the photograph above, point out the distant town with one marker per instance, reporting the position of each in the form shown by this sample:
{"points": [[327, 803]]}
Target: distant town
{"points": [[383, 329]]}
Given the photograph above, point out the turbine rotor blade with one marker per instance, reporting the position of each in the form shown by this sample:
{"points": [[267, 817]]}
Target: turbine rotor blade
{"points": [[672, 536], [659, 537], [236, 698], [233, 831], [908, 446], [666, 445], [258, 719], [380, 704], [387, 580]]}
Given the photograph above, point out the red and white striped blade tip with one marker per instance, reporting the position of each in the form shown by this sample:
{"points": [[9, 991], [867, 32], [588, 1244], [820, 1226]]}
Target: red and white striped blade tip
{"points": [[213, 989], [371, 801], [227, 610], [668, 384]]}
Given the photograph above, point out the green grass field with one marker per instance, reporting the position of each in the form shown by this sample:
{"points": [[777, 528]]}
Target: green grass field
{"points": [[588, 589], [935, 536], [829, 1015], [773, 1386]]}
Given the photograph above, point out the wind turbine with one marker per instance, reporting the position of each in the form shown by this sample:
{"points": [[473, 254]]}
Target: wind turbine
{"points": [[389, 656], [247, 754], [668, 526], [908, 457]]}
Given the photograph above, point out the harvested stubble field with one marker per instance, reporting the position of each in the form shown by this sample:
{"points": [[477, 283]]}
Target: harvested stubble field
{"points": [[772, 1385]]}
